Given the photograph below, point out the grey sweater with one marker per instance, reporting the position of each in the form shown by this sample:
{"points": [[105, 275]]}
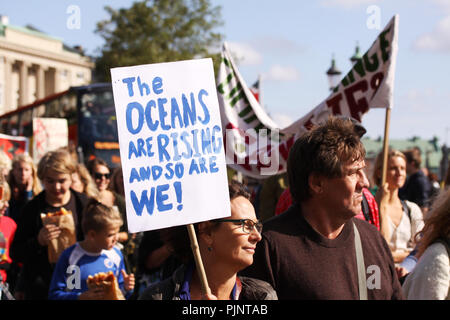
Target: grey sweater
{"points": [[300, 263]]}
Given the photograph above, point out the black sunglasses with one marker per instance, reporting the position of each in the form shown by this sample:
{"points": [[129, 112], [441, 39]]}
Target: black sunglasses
{"points": [[98, 175], [247, 224]]}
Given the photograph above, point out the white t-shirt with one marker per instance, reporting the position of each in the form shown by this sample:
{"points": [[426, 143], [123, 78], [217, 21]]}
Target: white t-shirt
{"points": [[402, 236]]}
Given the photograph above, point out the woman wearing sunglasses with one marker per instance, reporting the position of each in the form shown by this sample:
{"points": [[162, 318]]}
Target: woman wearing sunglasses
{"points": [[226, 246]]}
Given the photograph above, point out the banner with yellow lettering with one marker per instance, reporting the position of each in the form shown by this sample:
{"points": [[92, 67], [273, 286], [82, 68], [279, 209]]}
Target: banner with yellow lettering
{"points": [[258, 148]]}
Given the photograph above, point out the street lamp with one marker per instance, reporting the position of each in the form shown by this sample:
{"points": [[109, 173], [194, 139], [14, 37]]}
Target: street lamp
{"points": [[357, 56], [333, 74]]}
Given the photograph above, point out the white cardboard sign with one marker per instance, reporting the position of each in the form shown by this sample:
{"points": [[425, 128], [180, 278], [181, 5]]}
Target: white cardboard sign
{"points": [[171, 144]]}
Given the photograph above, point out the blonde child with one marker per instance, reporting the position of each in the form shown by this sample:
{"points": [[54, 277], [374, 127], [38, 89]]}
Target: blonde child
{"points": [[30, 245], [96, 253]]}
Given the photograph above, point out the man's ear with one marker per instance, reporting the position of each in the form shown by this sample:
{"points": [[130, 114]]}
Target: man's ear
{"points": [[315, 183]]}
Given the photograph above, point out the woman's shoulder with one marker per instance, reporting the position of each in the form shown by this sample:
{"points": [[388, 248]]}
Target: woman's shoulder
{"points": [[412, 205], [415, 210], [255, 289], [436, 251], [434, 259], [430, 277]]}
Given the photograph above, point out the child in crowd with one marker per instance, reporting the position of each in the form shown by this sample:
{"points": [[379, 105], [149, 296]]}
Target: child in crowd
{"points": [[30, 245], [7, 230], [24, 183], [96, 253]]}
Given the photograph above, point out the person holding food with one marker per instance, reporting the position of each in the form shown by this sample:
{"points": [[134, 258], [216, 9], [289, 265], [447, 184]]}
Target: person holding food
{"points": [[93, 269], [34, 238]]}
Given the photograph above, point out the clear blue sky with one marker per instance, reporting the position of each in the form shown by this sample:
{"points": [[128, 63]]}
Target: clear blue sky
{"points": [[291, 42]]}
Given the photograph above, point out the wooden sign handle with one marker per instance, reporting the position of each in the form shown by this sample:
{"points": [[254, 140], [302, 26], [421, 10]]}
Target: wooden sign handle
{"points": [[198, 260]]}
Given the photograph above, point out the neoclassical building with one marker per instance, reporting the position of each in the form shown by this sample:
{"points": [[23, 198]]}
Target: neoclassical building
{"points": [[34, 65]]}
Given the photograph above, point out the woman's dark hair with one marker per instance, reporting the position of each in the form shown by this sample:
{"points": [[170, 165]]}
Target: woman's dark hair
{"points": [[237, 189], [178, 238], [95, 162]]}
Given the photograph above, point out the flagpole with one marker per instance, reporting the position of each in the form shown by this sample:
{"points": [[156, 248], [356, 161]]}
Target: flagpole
{"points": [[198, 260], [385, 144], [384, 226]]}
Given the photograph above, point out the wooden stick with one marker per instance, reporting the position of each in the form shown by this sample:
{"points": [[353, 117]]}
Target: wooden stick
{"points": [[198, 260], [384, 226], [385, 145]]}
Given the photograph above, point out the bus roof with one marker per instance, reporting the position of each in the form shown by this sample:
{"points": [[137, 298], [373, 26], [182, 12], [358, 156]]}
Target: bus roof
{"points": [[87, 88]]}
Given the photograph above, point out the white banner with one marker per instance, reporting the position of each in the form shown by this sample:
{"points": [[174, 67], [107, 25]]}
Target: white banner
{"points": [[49, 134], [171, 144], [369, 84]]}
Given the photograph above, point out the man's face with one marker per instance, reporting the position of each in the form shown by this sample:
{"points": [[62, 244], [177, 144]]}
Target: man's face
{"points": [[344, 194]]}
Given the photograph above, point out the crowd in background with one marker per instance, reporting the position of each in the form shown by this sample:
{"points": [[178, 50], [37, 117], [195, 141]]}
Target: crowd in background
{"points": [[403, 205]]}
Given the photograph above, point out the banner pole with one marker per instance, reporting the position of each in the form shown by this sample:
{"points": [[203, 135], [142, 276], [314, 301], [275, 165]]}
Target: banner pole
{"points": [[384, 226], [198, 260], [385, 145]]}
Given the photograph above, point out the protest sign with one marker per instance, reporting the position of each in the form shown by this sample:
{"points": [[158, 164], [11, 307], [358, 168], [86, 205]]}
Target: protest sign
{"points": [[49, 134], [258, 148], [171, 144], [13, 145]]}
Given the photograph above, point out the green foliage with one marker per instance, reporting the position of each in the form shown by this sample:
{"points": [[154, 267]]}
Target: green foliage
{"points": [[153, 31]]}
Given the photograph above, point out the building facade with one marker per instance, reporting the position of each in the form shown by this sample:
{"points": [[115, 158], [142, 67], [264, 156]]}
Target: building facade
{"points": [[34, 65]]}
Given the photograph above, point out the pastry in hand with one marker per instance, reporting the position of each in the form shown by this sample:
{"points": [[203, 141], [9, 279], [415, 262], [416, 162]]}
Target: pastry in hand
{"points": [[108, 282]]}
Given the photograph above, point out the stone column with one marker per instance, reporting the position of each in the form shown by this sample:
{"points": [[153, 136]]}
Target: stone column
{"points": [[8, 87], [40, 81], [23, 91], [57, 80]]}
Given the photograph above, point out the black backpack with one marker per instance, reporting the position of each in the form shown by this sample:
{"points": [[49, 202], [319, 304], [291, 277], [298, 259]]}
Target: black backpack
{"points": [[365, 209], [406, 209]]}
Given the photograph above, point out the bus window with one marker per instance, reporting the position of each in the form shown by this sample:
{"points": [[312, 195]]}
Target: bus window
{"points": [[39, 111], [4, 126], [26, 123], [13, 128], [68, 108], [98, 117], [51, 109]]}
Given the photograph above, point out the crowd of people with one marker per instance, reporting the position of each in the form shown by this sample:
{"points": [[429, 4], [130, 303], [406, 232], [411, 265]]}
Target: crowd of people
{"points": [[326, 229]]}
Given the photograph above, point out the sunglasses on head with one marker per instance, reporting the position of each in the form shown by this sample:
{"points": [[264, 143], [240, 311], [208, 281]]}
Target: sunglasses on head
{"points": [[98, 175]]}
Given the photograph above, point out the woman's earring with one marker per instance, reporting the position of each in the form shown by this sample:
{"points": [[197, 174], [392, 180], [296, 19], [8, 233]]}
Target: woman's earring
{"points": [[209, 249]]}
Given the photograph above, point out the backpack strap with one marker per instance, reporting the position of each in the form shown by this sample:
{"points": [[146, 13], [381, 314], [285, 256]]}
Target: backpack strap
{"points": [[365, 208], [406, 209], [361, 268]]}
